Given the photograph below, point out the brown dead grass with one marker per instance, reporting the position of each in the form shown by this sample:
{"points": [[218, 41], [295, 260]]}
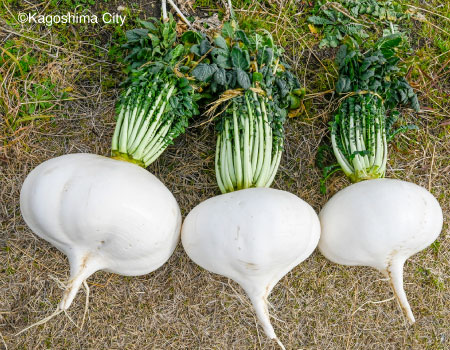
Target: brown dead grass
{"points": [[318, 305]]}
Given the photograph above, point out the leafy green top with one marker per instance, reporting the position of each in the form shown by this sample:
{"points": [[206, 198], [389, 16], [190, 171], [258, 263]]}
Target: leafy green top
{"points": [[376, 70], [156, 41], [237, 59], [344, 18], [154, 54]]}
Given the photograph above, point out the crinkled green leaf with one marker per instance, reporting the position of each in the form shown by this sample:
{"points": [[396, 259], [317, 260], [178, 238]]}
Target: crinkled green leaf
{"points": [[220, 57], [243, 79], [205, 46], [203, 71], [319, 20], [136, 34], [220, 76], [343, 84], [367, 74], [239, 59], [221, 42]]}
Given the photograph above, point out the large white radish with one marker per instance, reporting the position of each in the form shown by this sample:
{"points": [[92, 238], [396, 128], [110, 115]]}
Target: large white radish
{"points": [[104, 214], [253, 236], [380, 223]]}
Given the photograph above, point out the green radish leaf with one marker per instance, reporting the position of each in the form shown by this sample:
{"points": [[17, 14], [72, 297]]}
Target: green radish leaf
{"points": [[389, 42], [256, 76], [183, 82], [220, 57], [331, 14], [341, 55], [154, 38], [221, 42], [227, 30], [343, 84], [333, 42], [388, 53], [366, 64], [166, 32], [282, 85], [231, 78], [294, 101], [255, 41], [265, 56], [183, 69], [191, 37], [403, 96], [148, 25], [239, 59], [220, 77], [203, 71], [300, 92], [415, 103], [177, 52], [401, 129], [240, 34], [319, 20], [368, 74], [243, 79], [323, 43], [213, 86], [375, 85], [205, 46], [195, 49], [267, 39], [136, 34], [156, 51]]}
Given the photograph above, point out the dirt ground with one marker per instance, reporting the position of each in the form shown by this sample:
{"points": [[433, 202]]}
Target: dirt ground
{"points": [[318, 305]]}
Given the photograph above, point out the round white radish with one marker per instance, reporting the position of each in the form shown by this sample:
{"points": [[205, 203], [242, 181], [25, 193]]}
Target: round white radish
{"points": [[104, 214], [253, 236], [380, 223]]}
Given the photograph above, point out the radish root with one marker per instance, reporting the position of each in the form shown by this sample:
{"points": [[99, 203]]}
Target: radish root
{"points": [[83, 271], [280, 343], [260, 304], [59, 309], [395, 273], [44, 320]]}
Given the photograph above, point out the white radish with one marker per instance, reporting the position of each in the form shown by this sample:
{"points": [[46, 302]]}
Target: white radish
{"points": [[104, 214], [253, 236], [380, 223]]}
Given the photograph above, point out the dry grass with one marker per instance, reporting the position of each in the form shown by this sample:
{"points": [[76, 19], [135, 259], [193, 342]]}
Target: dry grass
{"points": [[318, 305]]}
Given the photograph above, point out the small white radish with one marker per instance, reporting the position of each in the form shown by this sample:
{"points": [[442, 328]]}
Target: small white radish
{"points": [[380, 223], [104, 214], [253, 236]]}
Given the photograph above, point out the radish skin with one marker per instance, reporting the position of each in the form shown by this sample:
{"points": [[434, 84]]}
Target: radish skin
{"points": [[253, 236], [380, 223], [103, 214]]}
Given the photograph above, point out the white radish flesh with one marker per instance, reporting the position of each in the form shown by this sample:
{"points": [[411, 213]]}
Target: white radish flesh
{"points": [[104, 214], [380, 223], [253, 236]]}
